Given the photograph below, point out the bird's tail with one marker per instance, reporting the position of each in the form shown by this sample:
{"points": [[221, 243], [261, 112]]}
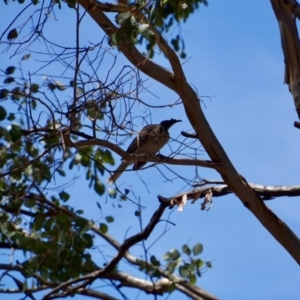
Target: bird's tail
{"points": [[118, 172]]}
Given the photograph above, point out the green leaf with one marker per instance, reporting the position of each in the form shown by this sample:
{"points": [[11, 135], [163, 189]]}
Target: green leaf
{"points": [[167, 256], [198, 263], [64, 196], [9, 80], [175, 44], [120, 18], [88, 240], [154, 261], [171, 255], [72, 3], [34, 88], [186, 250], [11, 117], [16, 93], [10, 70], [184, 271], [38, 222], [81, 223], [85, 161], [29, 203], [26, 56], [174, 254], [197, 249], [3, 93], [61, 172], [99, 205], [150, 36], [143, 28], [171, 267], [86, 228], [15, 132], [108, 158], [103, 228], [3, 113], [109, 219], [63, 219], [159, 22], [99, 187], [192, 279], [31, 150], [51, 86]]}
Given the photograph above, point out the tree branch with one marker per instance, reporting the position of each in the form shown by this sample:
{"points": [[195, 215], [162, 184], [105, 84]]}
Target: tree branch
{"points": [[266, 192], [139, 157]]}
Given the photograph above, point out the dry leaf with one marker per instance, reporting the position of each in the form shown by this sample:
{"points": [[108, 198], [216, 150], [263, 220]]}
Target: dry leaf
{"points": [[207, 199], [172, 203], [13, 34], [196, 196], [182, 203]]}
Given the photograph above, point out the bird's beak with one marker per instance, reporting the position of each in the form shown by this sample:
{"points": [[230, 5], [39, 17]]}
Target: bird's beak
{"points": [[176, 120]]}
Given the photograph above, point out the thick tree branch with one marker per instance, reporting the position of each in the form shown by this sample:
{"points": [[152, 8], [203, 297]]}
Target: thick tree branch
{"points": [[284, 12]]}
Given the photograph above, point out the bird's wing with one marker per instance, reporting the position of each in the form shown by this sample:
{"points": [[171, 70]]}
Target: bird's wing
{"points": [[140, 139]]}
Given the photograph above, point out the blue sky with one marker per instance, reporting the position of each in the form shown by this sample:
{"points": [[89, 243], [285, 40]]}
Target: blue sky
{"points": [[235, 57]]}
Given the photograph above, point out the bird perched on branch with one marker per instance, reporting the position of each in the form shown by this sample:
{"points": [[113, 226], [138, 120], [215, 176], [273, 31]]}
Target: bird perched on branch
{"points": [[148, 141]]}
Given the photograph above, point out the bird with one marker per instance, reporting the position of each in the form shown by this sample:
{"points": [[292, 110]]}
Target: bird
{"points": [[148, 141]]}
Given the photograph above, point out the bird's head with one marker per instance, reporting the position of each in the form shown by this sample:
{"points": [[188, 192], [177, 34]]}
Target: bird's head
{"points": [[168, 123]]}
